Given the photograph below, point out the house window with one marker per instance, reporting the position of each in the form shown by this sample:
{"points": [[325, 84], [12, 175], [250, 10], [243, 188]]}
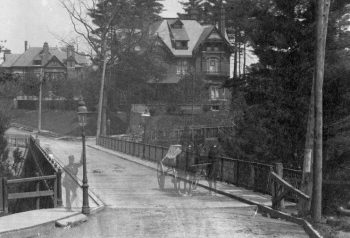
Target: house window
{"points": [[213, 65], [214, 93], [36, 62], [181, 44], [182, 67]]}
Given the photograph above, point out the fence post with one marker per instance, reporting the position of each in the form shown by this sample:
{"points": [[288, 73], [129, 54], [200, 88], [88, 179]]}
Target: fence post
{"points": [[1, 195], [149, 152], [221, 169], [59, 187], [236, 172], [37, 190], [277, 189], [251, 176], [6, 205], [55, 191]]}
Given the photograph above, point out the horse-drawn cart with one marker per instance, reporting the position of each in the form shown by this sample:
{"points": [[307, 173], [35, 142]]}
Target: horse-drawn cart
{"points": [[181, 165]]}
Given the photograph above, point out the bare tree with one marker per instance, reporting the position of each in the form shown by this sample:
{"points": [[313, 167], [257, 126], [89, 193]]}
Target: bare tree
{"points": [[96, 37]]}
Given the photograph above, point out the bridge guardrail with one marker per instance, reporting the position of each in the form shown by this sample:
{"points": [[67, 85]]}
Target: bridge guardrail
{"points": [[51, 191], [17, 141], [242, 173]]}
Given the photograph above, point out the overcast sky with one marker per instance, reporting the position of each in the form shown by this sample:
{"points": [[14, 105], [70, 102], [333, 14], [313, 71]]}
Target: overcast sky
{"points": [[38, 21]]}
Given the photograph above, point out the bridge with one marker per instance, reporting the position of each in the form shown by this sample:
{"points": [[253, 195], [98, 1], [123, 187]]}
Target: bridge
{"points": [[126, 202]]}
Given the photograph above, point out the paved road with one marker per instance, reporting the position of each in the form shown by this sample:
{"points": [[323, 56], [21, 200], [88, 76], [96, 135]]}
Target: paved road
{"points": [[135, 207]]}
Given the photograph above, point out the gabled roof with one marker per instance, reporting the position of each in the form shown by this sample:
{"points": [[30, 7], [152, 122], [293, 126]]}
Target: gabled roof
{"points": [[10, 59], [191, 31], [26, 59], [33, 53], [207, 32], [191, 28], [54, 59]]}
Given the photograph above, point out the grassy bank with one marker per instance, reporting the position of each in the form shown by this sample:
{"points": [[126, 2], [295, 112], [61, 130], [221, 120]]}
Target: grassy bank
{"points": [[60, 122]]}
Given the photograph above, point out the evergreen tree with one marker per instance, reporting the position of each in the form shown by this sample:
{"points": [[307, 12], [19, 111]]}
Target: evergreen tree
{"points": [[278, 88]]}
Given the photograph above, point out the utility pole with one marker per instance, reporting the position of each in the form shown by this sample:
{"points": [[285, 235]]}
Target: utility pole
{"points": [[321, 35], [41, 78]]}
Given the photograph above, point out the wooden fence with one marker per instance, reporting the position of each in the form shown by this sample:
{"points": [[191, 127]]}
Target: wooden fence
{"points": [[52, 190], [17, 140], [242, 173], [44, 173]]}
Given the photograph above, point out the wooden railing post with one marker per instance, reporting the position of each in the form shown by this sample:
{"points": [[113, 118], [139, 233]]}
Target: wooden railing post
{"points": [[236, 172], [55, 191], [251, 176], [37, 186], [149, 152], [59, 188], [221, 168], [1, 196], [276, 188], [5, 195]]}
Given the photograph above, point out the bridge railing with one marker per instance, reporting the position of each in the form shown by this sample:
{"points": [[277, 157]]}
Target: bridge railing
{"points": [[8, 193], [242, 173], [17, 140], [42, 174]]}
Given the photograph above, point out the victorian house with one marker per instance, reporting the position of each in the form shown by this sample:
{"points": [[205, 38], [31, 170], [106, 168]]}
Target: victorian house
{"points": [[190, 94], [54, 62], [198, 54]]}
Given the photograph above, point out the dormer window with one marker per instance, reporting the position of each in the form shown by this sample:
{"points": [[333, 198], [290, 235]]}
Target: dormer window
{"points": [[179, 44], [36, 62], [177, 24]]}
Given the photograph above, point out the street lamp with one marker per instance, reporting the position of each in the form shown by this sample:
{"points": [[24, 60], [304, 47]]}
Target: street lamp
{"points": [[41, 79], [144, 116], [82, 117]]}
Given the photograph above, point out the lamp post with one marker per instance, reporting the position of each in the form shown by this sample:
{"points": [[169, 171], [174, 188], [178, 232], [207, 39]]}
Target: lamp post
{"points": [[144, 116], [82, 116], [41, 79]]}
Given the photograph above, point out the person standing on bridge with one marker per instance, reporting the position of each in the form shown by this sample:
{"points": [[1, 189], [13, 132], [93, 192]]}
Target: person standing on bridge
{"points": [[71, 170]]}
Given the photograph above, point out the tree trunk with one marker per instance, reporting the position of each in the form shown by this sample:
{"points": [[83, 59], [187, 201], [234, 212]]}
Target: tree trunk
{"points": [[100, 101], [244, 58], [322, 22], [239, 59], [235, 56], [104, 115]]}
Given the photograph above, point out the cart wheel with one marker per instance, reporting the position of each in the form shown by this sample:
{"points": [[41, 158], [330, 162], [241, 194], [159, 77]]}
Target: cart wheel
{"points": [[160, 176], [194, 182], [176, 181]]}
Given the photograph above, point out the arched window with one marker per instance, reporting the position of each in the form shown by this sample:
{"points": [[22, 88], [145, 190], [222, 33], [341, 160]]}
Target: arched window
{"points": [[213, 65]]}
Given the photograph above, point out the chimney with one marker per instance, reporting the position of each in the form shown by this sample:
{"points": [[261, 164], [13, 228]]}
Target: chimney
{"points": [[70, 56], [6, 52], [45, 53], [194, 14], [25, 46], [222, 23]]}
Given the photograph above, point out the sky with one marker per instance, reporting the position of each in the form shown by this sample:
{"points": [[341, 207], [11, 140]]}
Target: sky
{"points": [[38, 21]]}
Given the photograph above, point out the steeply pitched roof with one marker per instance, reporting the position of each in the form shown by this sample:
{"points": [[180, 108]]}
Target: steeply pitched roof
{"points": [[10, 59], [192, 29], [26, 59], [205, 33], [33, 53]]}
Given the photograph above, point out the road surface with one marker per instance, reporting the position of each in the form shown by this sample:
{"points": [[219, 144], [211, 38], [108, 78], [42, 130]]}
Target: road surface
{"points": [[135, 207]]}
